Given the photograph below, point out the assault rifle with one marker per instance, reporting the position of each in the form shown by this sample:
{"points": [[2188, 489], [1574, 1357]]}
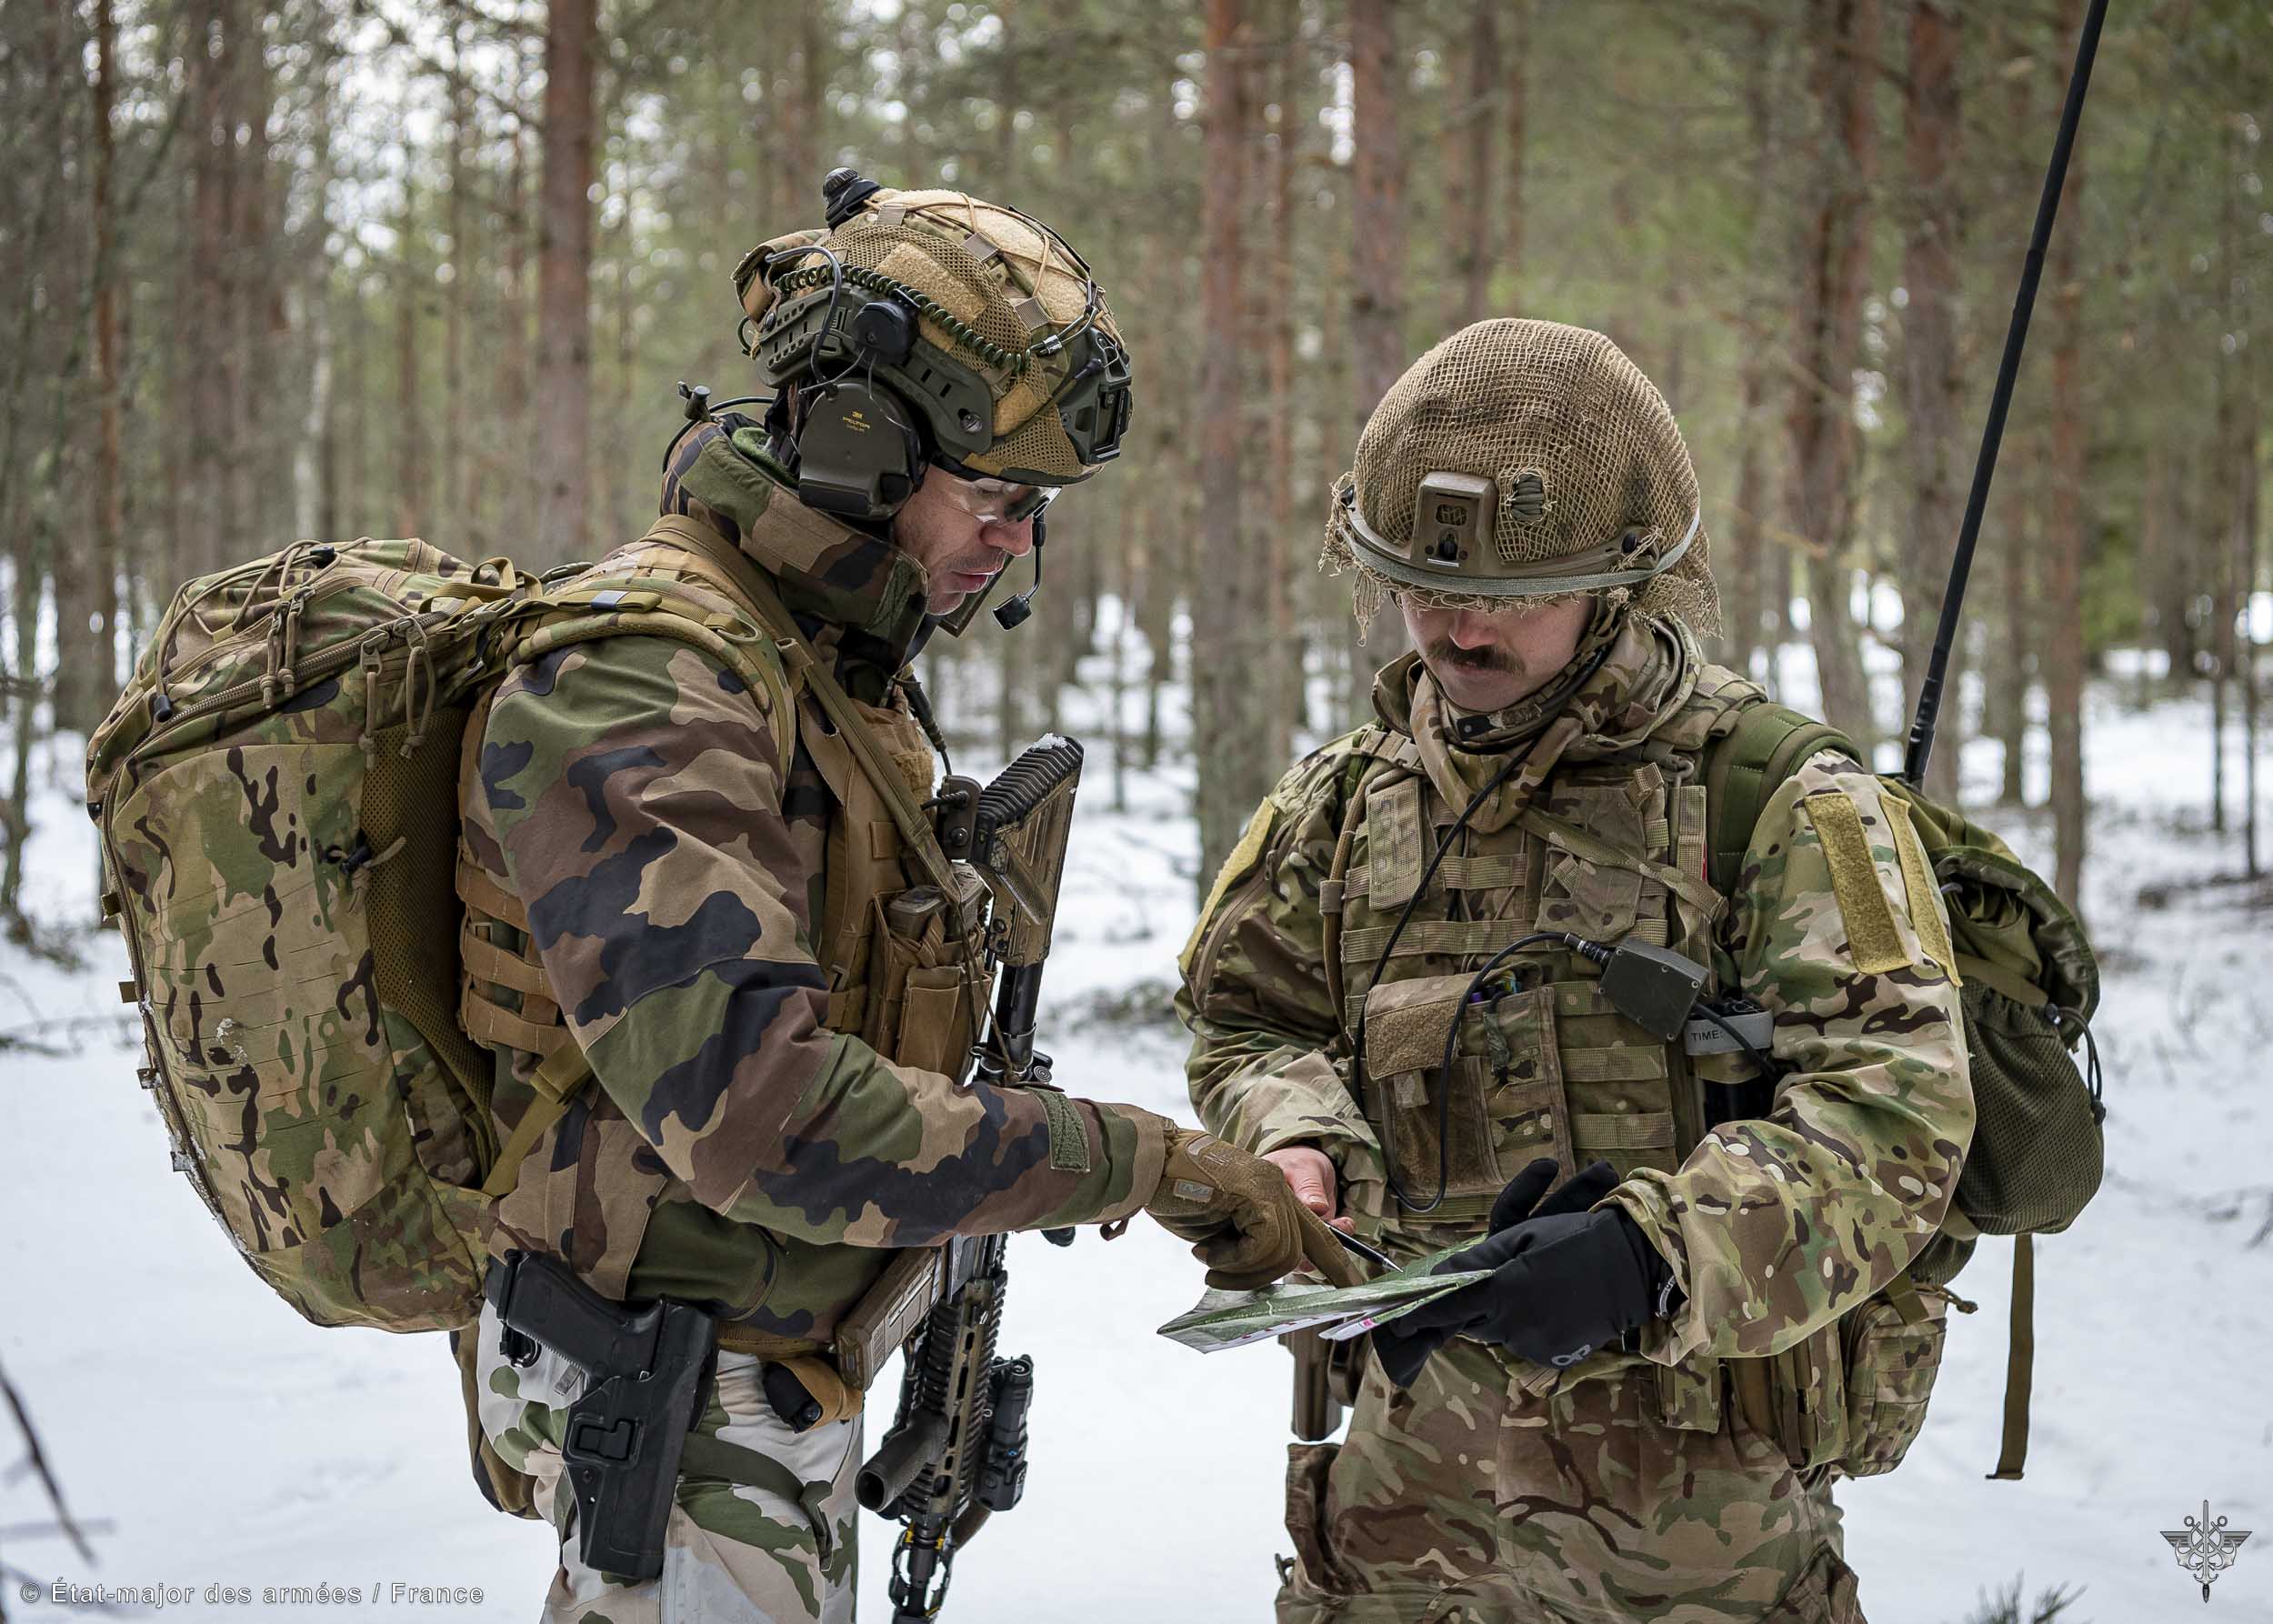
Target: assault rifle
{"points": [[956, 1453]]}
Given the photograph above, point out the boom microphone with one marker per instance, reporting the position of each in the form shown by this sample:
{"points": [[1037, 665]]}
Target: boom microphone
{"points": [[1016, 611]]}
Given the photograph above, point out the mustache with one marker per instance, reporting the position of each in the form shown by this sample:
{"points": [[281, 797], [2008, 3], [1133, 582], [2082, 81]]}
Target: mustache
{"points": [[1443, 651]]}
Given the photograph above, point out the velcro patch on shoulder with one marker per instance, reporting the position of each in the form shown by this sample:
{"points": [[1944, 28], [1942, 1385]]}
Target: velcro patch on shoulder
{"points": [[1918, 888], [1235, 867], [1874, 938]]}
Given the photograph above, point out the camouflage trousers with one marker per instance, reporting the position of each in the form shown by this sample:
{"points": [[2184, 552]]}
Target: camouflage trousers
{"points": [[733, 1553], [1466, 1500]]}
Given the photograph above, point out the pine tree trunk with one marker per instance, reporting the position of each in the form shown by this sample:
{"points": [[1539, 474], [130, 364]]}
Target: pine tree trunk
{"points": [[109, 552], [1834, 263], [1518, 79], [311, 449], [454, 292], [1378, 224], [203, 410], [1470, 225], [1229, 619], [2152, 562], [513, 491], [2244, 485], [351, 414], [2247, 492], [1932, 378], [2023, 542], [311, 316], [1378, 233], [410, 419], [2064, 594], [1756, 614], [628, 490], [1283, 662], [250, 512], [563, 259], [15, 819]]}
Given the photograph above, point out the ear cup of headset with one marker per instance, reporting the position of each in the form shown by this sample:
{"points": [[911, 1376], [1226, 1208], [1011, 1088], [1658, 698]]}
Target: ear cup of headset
{"points": [[859, 452]]}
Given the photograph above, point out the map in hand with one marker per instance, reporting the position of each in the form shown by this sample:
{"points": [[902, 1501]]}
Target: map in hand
{"points": [[1222, 1319]]}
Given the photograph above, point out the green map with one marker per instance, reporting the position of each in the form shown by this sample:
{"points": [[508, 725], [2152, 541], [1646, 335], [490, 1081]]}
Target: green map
{"points": [[1222, 1319]]}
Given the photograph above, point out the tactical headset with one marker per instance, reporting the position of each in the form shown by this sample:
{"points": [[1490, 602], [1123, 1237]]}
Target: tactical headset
{"points": [[861, 453], [876, 408]]}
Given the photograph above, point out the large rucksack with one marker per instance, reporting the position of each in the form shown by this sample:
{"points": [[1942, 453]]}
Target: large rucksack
{"points": [[2028, 986], [276, 792]]}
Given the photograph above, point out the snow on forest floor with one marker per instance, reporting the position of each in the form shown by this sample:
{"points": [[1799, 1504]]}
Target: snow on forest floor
{"points": [[208, 1437]]}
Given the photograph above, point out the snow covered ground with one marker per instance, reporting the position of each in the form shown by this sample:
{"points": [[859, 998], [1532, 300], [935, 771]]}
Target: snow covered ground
{"points": [[209, 1437]]}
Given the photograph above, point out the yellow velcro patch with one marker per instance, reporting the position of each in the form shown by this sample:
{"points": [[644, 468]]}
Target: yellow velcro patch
{"points": [[1235, 867], [1873, 939], [1925, 896]]}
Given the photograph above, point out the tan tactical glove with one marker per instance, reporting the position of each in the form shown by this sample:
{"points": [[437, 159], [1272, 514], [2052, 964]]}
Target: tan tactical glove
{"points": [[1243, 1217]]}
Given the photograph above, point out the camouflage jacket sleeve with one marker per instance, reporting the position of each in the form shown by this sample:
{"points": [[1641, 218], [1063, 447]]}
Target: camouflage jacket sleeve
{"points": [[1266, 1069], [635, 788], [1777, 1227]]}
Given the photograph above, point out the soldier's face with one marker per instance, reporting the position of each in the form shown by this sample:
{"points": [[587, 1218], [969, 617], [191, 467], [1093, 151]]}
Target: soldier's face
{"points": [[1489, 659], [957, 534]]}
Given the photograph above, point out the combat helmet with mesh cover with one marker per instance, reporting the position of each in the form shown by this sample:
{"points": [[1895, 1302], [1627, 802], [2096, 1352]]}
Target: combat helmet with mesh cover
{"points": [[1009, 361], [1523, 460]]}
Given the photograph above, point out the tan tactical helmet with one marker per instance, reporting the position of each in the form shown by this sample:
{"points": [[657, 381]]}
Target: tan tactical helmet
{"points": [[980, 320], [1522, 460]]}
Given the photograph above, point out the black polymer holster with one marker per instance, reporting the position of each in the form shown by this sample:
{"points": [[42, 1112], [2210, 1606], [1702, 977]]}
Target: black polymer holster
{"points": [[648, 1374]]}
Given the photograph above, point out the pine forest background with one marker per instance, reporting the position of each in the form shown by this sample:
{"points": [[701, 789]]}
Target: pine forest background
{"points": [[374, 268]]}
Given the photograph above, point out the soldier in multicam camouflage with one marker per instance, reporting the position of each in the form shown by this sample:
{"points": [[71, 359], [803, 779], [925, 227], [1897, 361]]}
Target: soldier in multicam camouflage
{"points": [[680, 879], [1540, 763]]}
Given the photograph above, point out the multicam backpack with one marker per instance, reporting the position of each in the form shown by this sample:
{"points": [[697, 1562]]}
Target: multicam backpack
{"points": [[2028, 985], [278, 793]]}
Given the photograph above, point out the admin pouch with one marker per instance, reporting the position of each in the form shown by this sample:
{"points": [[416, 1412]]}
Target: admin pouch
{"points": [[2028, 985]]}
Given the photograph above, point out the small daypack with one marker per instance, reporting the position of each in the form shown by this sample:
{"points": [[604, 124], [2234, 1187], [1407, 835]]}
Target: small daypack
{"points": [[2028, 986]]}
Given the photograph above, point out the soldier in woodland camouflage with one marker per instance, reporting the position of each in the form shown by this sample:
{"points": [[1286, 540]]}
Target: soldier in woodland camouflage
{"points": [[678, 877], [1641, 1415]]}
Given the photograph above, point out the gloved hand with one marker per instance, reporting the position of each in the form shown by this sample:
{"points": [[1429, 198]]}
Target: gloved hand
{"points": [[1565, 1280], [1244, 1219]]}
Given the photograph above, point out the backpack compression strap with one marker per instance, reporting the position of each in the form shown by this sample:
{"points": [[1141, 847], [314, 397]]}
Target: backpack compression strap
{"points": [[1745, 766]]}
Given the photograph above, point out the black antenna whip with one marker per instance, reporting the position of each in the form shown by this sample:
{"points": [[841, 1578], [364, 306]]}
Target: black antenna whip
{"points": [[1921, 742]]}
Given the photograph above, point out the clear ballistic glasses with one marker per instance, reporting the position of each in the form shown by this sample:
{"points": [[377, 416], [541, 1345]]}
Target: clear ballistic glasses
{"points": [[996, 501]]}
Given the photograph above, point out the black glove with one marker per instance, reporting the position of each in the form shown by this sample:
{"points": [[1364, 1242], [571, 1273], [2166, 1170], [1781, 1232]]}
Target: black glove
{"points": [[1565, 1280]]}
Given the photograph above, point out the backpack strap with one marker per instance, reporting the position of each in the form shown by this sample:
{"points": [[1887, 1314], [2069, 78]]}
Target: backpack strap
{"points": [[582, 614], [1744, 768], [807, 669], [2020, 1362]]}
